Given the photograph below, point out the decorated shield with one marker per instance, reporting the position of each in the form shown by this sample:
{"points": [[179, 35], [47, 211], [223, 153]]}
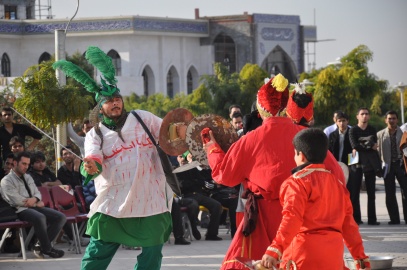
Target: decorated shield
{"points": [[225, 135], [172, 131]]}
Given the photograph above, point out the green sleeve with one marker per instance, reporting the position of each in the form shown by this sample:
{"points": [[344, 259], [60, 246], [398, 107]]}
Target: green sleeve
{"points": [[88, 176]]}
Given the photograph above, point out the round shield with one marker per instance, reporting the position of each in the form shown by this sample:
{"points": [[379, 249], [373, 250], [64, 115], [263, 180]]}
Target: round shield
{"points": [[225, 135], [174, 144]]}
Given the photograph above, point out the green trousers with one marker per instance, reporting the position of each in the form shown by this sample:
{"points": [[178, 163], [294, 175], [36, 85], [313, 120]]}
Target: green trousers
{"points": [[99, 254]]}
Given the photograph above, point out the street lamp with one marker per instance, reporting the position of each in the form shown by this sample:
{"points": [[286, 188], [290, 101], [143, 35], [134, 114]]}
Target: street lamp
{"points": [[401, 87]]}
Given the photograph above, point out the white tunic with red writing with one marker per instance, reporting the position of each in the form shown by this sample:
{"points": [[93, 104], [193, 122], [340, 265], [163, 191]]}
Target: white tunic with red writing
{"points": [[132, 182]]}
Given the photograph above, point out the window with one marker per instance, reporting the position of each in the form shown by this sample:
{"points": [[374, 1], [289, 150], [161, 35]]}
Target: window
{"points": [[29, 12], [10, 12], [44, 57], [145, 82], [117, 62], [225, 51], [5, 66], [190, 83], [170, 85]]}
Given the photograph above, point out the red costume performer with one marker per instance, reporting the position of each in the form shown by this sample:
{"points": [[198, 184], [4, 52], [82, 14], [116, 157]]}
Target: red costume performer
{"points": [[317, 217], [261, 160]]}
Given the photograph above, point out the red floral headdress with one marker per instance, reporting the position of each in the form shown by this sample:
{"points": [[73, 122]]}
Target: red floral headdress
{"points": [[273, 96]]}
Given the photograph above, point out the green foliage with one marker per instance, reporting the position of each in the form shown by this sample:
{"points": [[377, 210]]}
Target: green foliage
{"points": [[346, 87], [251, 79], [43, 101]]}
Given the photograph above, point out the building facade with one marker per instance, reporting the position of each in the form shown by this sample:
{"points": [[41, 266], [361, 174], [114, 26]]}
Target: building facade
{"points": [[156, 55]]}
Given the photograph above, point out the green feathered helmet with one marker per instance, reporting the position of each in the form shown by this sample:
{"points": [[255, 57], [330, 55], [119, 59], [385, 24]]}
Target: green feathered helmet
{"points": [[104, 64]]}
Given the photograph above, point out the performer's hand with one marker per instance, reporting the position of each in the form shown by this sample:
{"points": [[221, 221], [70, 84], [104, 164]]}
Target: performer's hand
{"points": [[207, 144], [90, 166], [269, 262]]}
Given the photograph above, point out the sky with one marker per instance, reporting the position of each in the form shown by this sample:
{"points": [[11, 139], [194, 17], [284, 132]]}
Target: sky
{"points": [[378, 24]]}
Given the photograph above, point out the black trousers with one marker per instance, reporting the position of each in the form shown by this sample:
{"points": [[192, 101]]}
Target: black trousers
{"points": [[395, 171], [354, 184], [192, 212], [231, 204], [215, 211]]}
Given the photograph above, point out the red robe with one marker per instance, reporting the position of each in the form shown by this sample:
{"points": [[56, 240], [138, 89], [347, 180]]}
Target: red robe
{"points": [[317, 217], [261, 160]]}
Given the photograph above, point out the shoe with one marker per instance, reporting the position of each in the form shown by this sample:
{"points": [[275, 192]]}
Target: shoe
{"points": [[373, 223], [84, 241], [181, 241], [213, 238], [54, 253], [359, 222], [394, 223], [37, 252], [196, 234]]}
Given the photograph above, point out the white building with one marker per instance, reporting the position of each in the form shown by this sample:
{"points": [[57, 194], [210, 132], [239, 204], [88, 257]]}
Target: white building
{"points": [[156, 55]]}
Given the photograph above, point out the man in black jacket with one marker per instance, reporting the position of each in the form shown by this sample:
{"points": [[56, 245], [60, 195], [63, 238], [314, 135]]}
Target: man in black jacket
{"points": [[339, 143], [363, 139]]}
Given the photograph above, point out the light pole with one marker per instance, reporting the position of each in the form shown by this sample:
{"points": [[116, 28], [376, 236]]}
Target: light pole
{"points": [[401, 87]]}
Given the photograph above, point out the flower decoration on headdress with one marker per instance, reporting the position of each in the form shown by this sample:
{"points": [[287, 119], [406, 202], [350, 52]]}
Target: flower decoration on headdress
{"points": [[300, 106], [272, 97]]}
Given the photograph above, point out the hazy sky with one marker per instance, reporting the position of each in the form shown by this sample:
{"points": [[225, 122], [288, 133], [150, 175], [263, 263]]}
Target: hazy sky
{"points": [[379, 24]]}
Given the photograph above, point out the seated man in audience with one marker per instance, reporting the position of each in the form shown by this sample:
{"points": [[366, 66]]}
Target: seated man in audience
{"points": [[40, 173], [69, 173], [194, 186], [8, 165], [19, 190]]}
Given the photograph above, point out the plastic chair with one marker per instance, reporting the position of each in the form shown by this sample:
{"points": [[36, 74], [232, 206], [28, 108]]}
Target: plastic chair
{"points": [[46, 197], [7, 226], [186, 223], [66, 203], [81, 198]]}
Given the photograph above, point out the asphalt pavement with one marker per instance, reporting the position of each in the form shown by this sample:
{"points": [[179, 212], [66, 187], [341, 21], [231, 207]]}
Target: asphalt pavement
{"points": [[382, 240]]}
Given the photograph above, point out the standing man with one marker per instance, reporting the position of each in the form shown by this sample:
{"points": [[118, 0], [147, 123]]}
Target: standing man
{"points": [[363, 139], [237, 123], [339, 143], [20, 191], [388, 141], [133, 200], [10, 129], [328, 130], [234, 109]]}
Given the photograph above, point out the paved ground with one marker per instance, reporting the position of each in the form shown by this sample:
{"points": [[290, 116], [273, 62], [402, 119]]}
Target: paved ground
{"points": [[379, 241]]}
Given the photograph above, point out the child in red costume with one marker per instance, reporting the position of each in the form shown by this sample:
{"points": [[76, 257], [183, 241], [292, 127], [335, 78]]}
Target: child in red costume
{"points": [[317, 213]]}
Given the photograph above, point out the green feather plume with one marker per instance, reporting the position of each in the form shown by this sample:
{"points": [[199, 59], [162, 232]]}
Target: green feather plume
{"points": [[72, 70], [102, 62]]}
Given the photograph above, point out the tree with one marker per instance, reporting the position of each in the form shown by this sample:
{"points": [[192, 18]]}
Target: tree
{"points": [[44, 102], [251, 78], [346, 87]]}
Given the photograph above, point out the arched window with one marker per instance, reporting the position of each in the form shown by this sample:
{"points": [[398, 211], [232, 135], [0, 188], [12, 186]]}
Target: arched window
{"points": [[5, 65], [148, 81], [117, 62], [190, 82], [170, 85], [44, 57], [278, 61], [192, 79], [172, 82], [225, 51]]}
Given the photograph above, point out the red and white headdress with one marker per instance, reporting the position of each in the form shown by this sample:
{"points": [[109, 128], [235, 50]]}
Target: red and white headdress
{"points": [[300, 105]]}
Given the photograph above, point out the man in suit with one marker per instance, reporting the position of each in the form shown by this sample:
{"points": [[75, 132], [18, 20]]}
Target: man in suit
{"points": [[388, 140], [339, 143]]}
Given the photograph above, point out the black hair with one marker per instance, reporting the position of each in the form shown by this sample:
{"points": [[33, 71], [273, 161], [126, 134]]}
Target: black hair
{"points": [[363, 109], [237, 114], [392, 113], [37, 156], [67, 148], [341, 114], [17, 157], [7, 109], [234, 106], [313, 143], [15, 140]]}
